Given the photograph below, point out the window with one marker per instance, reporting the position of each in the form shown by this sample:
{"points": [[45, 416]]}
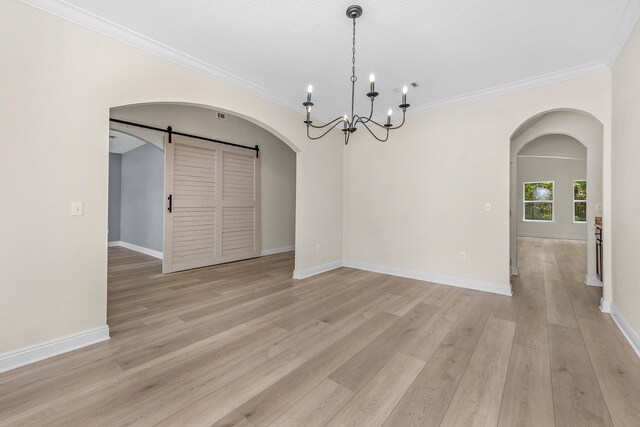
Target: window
{"points": [[580, 201], [538, 201]]}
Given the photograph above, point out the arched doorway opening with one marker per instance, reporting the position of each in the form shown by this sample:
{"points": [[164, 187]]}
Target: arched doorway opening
{"points": [[546, 127], [278, 156]]}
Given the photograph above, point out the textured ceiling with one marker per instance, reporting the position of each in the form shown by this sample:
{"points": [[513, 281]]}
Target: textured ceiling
{"points": [[450, 47]]}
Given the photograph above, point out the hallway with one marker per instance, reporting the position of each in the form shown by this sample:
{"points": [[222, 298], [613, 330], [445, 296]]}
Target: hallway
{"points": [[569, 361]]}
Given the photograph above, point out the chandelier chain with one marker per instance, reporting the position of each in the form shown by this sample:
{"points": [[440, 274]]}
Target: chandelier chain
{"points": [[353, 51]]}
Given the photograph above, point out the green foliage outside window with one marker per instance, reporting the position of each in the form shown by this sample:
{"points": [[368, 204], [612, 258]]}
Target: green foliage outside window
{"points": [[538, 191], [580, 201], [538, 201]]}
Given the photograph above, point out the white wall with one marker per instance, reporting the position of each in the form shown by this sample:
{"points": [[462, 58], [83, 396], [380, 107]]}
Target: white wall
{"points": [[626, 177], [277, 160], [414, 203], [560, 159], [58, 82]]}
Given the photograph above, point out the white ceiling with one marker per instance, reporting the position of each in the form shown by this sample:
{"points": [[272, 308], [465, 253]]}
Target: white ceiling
{"points": [[120, 142], [455, 49]]}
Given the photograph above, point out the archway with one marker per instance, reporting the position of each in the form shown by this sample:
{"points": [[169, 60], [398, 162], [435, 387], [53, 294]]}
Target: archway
{"points": [[241, 115], [277, 156], [589, 131]]}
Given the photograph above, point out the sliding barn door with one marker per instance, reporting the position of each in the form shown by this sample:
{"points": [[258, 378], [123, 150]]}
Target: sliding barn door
{"points": [[212, 204]]}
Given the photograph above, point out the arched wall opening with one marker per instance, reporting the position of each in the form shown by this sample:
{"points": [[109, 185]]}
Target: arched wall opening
{"points": [[589, 131], [71, 102], [277, 157]]}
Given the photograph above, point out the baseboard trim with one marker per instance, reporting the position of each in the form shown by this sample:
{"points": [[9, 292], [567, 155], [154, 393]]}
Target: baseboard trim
{"points": [[553, 236], [308, 272], [273, 251], [141, 249], [515, 271], [496, 288], [35, 353], [592, 281], [629, 333]]}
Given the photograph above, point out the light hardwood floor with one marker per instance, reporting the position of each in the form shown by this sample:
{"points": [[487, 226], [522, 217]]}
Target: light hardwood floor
{"points": [[243, 344]]}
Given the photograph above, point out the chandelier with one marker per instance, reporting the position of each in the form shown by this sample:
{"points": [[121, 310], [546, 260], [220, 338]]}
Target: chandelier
{"points": [[350, 123]]}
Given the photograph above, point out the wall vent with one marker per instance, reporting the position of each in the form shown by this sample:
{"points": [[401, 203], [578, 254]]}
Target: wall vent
{"points": [[222, 116]]}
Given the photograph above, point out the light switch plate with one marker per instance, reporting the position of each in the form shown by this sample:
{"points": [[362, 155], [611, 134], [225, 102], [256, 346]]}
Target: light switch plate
{"points": [[77, 209], [487, 207]]}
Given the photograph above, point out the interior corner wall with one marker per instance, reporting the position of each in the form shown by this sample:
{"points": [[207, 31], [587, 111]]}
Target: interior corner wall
{"points": [[277, 160], [58, 82], [414, 203], [625, 178], [115, 196], [142, 201]]}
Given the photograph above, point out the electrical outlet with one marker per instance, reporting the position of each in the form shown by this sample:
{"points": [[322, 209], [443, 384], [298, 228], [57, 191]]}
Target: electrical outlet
{"points": [[77, 209], [463, 256]]}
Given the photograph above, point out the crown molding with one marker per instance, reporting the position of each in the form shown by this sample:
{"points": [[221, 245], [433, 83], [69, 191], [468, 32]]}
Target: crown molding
{"points": [[625, 27], [93, 22], [541, 80], [81, 17]]}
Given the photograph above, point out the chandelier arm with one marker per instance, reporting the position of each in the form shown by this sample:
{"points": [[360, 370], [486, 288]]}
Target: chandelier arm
{"points": [[387, 127], [374, 135], [366, 120], [400, 125], [369, 120], [328, 124], [318, 137], [371, 112]]}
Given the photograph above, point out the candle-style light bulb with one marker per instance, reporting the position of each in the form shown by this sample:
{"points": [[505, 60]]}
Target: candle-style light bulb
{"points": [[309, 90], [389, 116], [404, 94], [372, 81], [345, 119]]}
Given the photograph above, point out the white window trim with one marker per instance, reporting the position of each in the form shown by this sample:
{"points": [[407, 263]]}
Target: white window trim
{"points": [[573, 191], [552, 201]]}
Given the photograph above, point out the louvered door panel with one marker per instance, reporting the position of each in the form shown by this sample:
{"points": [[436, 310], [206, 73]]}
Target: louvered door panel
{"points": [[191, 227], [215, 207], [238, 230], [240, 191]]}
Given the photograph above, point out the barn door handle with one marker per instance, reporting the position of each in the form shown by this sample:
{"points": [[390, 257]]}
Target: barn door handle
{"points": [[170, 208]]}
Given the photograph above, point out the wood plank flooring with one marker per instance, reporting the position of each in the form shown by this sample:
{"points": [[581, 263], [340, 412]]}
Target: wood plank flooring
{"points": [[243, 344]]}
